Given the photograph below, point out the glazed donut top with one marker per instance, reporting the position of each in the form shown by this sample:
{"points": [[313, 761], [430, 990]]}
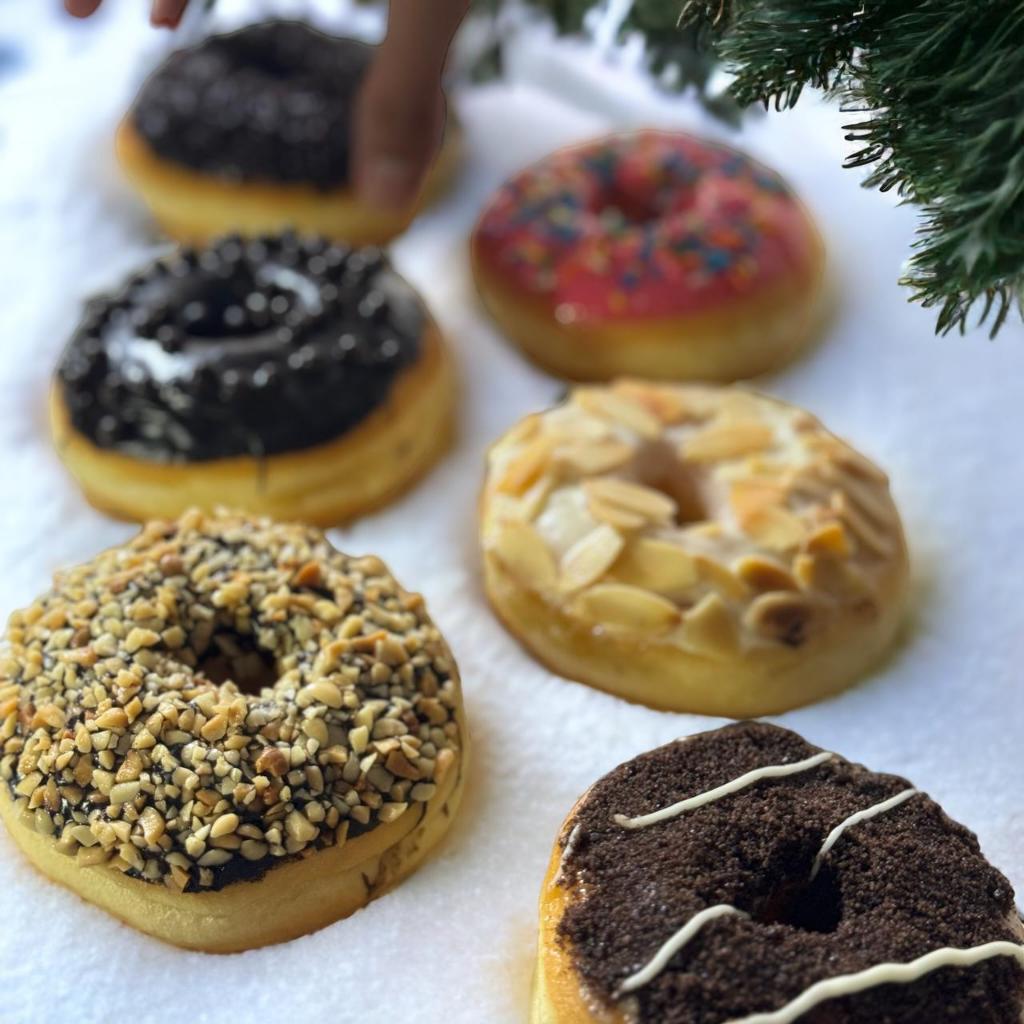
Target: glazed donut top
{"points": [[269, 102], [124, 736], [734, 869], [649, 224], [242, 348], [714, 519]]}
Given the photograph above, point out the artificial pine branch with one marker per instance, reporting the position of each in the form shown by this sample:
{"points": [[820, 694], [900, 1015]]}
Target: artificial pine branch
{"points": [[940, 85], [676, 56]]}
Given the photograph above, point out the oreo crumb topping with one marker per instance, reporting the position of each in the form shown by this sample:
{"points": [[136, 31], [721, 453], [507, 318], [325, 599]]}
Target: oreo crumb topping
{"points": [[244, 348], [269, 102], [892, 889]]}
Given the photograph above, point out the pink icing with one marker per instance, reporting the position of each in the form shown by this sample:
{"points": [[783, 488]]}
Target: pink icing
{"points": [[645, 225]]}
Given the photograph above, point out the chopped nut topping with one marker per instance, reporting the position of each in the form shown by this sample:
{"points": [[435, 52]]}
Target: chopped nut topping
{"points": [[240, 673]]}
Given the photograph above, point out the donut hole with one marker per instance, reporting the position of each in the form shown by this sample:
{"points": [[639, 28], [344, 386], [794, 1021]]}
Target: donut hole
{"points": [[620, 206], [236, 307], [810, 906], [236, 657], [658, 466]]}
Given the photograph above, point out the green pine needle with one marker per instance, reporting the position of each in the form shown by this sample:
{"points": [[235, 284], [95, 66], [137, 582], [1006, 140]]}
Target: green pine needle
{"points": [[939, 87]]}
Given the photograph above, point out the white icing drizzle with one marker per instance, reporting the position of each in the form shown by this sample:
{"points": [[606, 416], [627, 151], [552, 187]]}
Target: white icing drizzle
{"points": [[774, 771], [568, 850], [674, 944], [856, 819], [829, 988], [882, 974]]}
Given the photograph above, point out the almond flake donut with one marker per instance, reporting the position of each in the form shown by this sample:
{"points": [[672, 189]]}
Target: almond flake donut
{"points": [[744, 876], [698, 549], [653, 253], [227, 701]]}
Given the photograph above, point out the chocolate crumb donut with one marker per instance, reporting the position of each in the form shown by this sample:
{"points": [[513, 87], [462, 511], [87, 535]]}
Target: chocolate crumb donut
{"points": [[744, 876], [285, 375], [224, 701], [251, 131]]}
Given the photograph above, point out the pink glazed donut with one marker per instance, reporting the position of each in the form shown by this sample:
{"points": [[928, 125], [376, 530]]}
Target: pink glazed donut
{"points": [[651, 254]]}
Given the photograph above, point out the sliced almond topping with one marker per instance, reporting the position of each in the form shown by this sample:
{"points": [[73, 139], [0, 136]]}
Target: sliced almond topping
{"points": [[784, 618], [646, 502], [829, 539], [749, 496], [525, 430], [594, 458], [656, 565], [853, 462], [615, 515], [521, 549], [803, 422], [721, 578], [827, 575], [608, 405], [846, 457], [870, 498], [616, 604], [570, 423], [729, 440], [775, 528], [762, 574], [533, 499], [737, 404], [667, 403], [872, 537], [590, 557], [710, 627], [526, 467], [810, 484]]}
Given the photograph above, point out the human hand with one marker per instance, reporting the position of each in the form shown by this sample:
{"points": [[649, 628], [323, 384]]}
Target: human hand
{"points": [[163, 12], [399, 113]]}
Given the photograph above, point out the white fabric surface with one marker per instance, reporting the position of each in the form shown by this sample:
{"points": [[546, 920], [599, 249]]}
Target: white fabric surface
{"points": [[455, 942]]}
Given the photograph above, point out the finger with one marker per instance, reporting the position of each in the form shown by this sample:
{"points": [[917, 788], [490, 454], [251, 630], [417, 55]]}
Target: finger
{"points": [[400, 110], [167, 12], [81, 8]]}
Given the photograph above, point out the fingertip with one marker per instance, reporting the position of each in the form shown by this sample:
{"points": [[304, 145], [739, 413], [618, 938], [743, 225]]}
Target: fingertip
{"points": [[167, 13], [81, 8]]}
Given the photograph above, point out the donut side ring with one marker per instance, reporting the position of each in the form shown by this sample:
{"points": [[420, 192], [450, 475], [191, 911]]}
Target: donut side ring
{"points": [[714, 914], [194, 208], [694, 549], [745, 339], [652, 254], [227, 713]]}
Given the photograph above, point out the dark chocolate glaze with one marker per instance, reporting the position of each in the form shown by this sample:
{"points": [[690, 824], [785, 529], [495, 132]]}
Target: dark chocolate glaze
{"points": [[892, 889], [243, 348], [270, 102]]}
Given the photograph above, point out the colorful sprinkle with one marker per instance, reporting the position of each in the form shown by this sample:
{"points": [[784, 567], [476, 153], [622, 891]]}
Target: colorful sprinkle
{"points": [[650, 224]]}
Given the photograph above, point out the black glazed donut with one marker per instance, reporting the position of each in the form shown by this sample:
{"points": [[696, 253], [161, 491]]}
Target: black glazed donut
{"points": [[272, 101], [243, 354], [244, 348], [251, 131]]}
